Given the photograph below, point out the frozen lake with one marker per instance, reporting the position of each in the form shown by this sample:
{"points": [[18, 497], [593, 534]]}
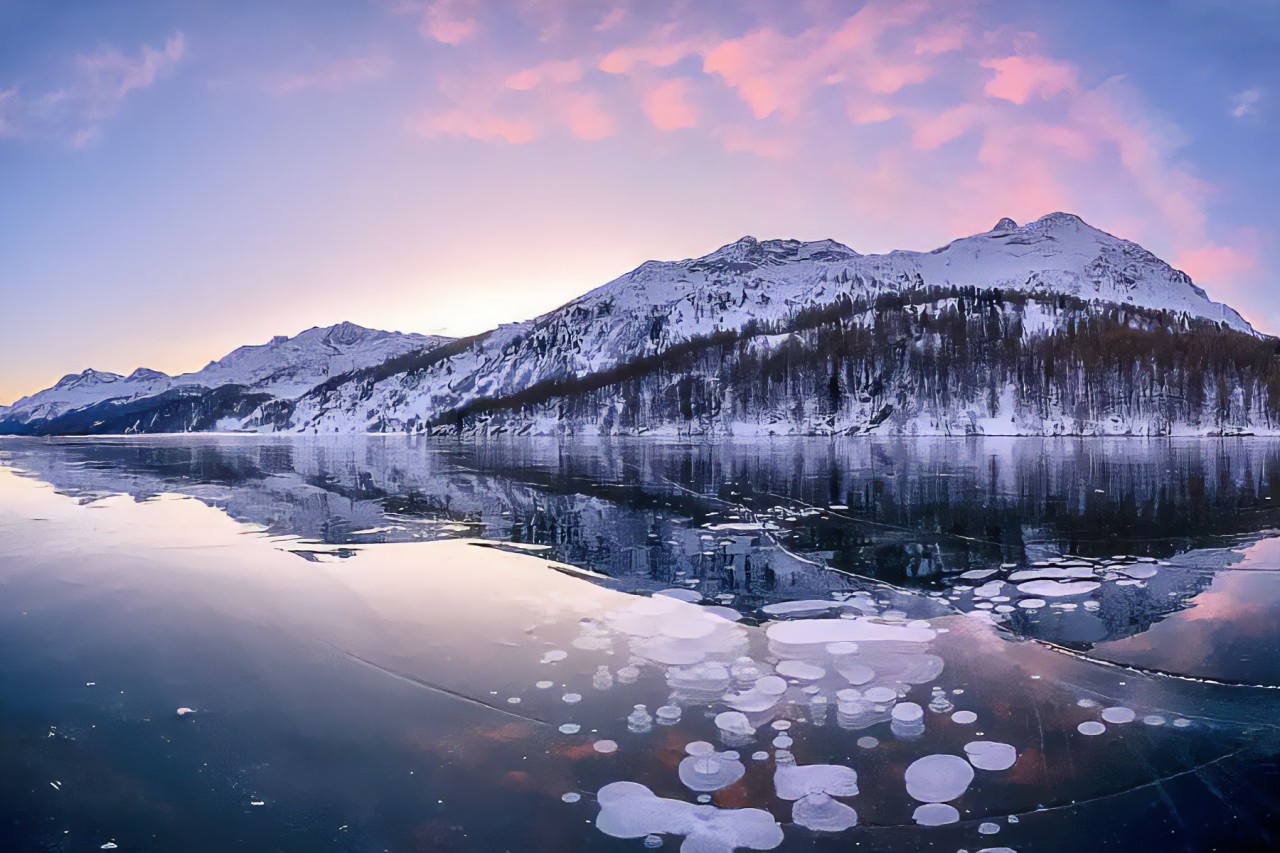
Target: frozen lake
{"points": [[390, 643]]}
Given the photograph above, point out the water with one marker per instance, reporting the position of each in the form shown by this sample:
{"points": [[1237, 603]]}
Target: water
{"points": [[364, 676]]}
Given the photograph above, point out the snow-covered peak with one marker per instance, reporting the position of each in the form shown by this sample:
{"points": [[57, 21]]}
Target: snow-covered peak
{"points": [[87, 378], [143, 374]]}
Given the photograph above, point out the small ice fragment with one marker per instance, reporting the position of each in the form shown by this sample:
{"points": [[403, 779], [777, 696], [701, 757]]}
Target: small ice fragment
{"points": [[964, 718], [1091, 728], [570, 729], [257, 802], [110, 845], [800, 671], [868, 742], [182, 712], [653, 842], [938, 778], [935, 814], [780, 725], [668, 715], [1182, 722], [699, 747], [819, 812], [554, 656], [1118, 715], [639, 721], [990, 755], [1153, 720], [513, 700], [907, 712], [545, 685], [880, 695], [628, 674], [571, 797], [988, 828], [710, 771], [57, 786], [605, 747], [704, 798], [1031, 603], [760, 756], [1087, 703], [572, 698], [603, 679]]}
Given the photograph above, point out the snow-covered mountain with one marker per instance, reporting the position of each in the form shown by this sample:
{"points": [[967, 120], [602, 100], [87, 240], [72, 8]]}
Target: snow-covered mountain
{"points": [[282, 368], [748, 289], [997, 332]]}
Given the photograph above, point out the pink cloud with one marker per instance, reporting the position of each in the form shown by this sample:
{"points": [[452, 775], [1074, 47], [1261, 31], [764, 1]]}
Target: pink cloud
{"points": [[887, 79], [557, 72], [938, 130], [941, 40], [481, 125], [587, 119], [1019, 78], [1217, 263], [449, 21], [612, 18], [667, 105], [660, 51]]}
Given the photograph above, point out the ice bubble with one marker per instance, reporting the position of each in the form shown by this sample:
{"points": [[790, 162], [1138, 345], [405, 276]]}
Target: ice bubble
{"points": [[800, 671], [780, 725], [1153, 720], [734, 726], [668, 715], [964, 718], [760, 756], [1139, 572], [771, 685], [572, 698], [802, 632], [935, 814], [605, 747], [639, 721], [1031, 603], [630, 810], [857, 674], [571, 797], [938, 778], [1087, 703], [1055, 589], [782, 742], [1182, 722], [570, 729], [988, 828], [711, 771], [880, 695], [990, 755], [554, 656], [653, 842], [603, 679], [907, 712], [699, 747], [680, 594], [513, 700], [868, 742], [628, 674], [817, 811], [1118, 715], [1091, 728], [795, 781], [842, 648], [545, 685]]}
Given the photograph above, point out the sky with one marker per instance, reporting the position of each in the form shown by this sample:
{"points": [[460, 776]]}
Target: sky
{"points": [[181, 177]]}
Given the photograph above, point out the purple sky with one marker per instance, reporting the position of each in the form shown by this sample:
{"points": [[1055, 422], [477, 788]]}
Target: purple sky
{"points": [[179, 177]]}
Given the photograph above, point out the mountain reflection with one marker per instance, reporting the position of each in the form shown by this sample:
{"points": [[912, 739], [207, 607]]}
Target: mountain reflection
{"points": [[752, 523]]}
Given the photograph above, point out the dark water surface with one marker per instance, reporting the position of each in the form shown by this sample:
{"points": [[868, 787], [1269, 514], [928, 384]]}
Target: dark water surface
{"points": [[381, 638]]}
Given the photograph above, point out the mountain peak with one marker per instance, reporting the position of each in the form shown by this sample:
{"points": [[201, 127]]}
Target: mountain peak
{"points": [[1005, 224]]}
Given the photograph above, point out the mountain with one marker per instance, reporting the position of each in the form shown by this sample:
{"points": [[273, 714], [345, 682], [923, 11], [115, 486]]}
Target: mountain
{"points": [[1052, 327], [278, 370]]}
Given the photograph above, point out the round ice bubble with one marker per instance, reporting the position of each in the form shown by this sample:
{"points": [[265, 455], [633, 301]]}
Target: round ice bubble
{"points": [[935, 814], [572, 698], [571, 797], [964, 718], [819, 812], [990, 755], [605, 747], [1118, 715], [907, 712], [570, 728], [868, 742], [938, 778], [1091, 727]]}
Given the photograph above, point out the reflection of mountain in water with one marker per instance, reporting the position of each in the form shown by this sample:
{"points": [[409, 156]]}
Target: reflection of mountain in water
{"points": [[753, 521]]}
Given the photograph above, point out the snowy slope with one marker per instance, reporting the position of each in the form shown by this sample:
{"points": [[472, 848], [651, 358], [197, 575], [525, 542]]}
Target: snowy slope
{"points": [[283, 367], [660, 304]]}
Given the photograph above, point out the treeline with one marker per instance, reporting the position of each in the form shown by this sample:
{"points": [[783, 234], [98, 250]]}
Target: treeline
{"points": [[946, 353]]}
